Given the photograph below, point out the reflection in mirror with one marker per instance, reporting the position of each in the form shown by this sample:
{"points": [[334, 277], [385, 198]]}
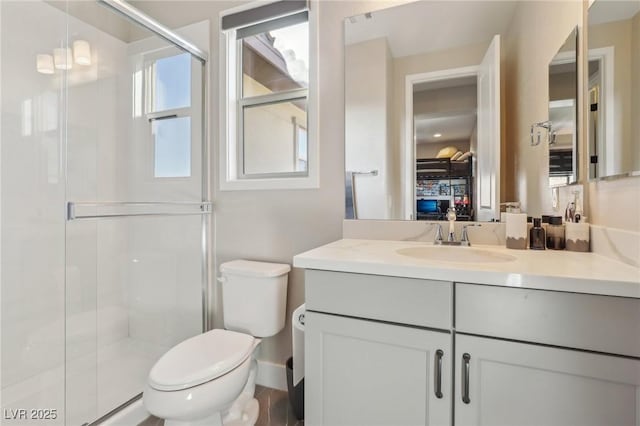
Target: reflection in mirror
{"points": [[563, 95], [614, 88], [422, 110], [273, 104]]}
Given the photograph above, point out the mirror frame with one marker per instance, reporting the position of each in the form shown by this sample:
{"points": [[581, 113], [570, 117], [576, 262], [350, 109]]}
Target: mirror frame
{"points": [[578, 135], [586, 163]]}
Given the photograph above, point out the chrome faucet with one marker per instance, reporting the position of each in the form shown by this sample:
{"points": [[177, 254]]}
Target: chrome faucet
{"points": [[451, 217], [451, 239]]}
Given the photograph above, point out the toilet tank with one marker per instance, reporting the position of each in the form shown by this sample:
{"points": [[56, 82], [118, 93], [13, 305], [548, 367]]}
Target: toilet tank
{"points": [[254, 296]]}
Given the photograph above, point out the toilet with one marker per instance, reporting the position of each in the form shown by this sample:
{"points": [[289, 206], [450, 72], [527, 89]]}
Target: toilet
{"points": [[210, 379]]}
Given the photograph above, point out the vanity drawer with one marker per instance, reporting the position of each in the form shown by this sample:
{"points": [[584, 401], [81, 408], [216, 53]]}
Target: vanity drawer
{"points": [[584, 321], [410, 301]]}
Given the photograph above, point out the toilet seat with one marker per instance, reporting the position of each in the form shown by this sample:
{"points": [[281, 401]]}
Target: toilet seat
{"points": [[200, 359]]}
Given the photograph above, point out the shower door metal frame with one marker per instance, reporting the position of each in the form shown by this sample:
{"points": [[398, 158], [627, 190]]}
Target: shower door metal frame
{"points": [[204, 208]]}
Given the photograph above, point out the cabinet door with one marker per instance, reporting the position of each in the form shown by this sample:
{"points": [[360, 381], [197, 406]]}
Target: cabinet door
{"points": [[361, 372], [518, 384]]}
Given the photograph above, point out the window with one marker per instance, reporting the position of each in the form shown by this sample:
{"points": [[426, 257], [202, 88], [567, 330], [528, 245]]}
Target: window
{"points": [[300, 137], [267, 119], [167, 106]]}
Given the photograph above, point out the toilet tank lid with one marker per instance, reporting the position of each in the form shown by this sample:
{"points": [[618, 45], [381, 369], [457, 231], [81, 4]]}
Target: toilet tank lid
{"points": [[251, 268]]}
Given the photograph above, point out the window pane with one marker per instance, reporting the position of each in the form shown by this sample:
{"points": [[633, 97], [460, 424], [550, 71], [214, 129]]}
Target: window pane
{"points": [[276, 60], [172, 157], [172, 82], [270, 137]]}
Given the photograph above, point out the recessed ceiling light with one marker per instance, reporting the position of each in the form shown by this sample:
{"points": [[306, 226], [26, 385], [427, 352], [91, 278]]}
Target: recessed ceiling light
{"points": [[437, 135]]}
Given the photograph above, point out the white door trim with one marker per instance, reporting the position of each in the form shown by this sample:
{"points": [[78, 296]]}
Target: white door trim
{"points": [[606, 57], [409, 147]]}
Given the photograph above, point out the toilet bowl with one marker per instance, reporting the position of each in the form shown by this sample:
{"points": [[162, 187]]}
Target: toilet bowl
{"points": [[209, 379], [198, 381]]}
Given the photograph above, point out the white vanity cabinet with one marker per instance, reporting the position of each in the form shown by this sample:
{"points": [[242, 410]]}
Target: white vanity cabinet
{"points": [[378, 350], [500, 382], [562, 375], [383, 350], [361, 372]]}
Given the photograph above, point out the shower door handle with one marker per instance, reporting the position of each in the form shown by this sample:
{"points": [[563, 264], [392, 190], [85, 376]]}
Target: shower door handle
{"points": [[97, 210]]}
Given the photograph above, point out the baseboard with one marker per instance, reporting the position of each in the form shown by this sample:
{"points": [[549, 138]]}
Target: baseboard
{"points": [[272, 375]]}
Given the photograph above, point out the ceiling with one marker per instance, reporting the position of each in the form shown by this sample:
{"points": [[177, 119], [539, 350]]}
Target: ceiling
{"points": [[453, 127], [430, 26], [612, 10], [447, 107]]}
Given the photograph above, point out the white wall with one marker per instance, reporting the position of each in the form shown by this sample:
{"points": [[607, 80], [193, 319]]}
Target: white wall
{"points": [[367, 116]]}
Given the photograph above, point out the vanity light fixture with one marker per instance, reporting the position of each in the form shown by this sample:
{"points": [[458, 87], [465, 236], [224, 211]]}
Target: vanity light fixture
{"points": [[62, 58], [44, 64], [437, 135], [82, 52]]}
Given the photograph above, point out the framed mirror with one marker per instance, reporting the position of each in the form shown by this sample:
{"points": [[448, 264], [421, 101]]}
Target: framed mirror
{"points": [[563, 113], [614, 89], [423, 110]]}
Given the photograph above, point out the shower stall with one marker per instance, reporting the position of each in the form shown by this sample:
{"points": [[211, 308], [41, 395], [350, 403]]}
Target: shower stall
{"points": [[104, 204]]}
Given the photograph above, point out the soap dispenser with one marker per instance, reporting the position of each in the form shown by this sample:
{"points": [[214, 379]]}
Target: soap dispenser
{"points": [[537, 238]]}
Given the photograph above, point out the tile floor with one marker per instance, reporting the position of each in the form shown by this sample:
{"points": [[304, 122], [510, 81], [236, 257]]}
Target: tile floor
{"points": [[275, 410]]}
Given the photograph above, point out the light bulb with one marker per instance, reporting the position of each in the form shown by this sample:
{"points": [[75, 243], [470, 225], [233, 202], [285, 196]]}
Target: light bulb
{"points": [[82, 52], [44, 64], [62, 58]]}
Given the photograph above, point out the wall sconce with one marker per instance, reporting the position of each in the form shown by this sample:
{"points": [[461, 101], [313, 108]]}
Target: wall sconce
{"points": [[44, 64], [82, 52], [62, 58], [547, 125]]}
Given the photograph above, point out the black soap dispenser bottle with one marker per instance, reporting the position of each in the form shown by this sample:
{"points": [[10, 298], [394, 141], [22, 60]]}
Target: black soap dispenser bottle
{"points": [[537, 238]]}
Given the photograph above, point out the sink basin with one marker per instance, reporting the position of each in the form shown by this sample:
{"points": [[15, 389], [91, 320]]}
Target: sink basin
{"points": [[455, 254]]}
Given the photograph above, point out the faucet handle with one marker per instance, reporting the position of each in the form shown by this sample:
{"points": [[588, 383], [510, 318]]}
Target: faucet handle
{"points": [[464, 239], [438, 239]]}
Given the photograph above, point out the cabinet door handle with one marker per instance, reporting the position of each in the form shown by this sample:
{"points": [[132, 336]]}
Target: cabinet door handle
{"points": [[465, 378], [438, 375]]}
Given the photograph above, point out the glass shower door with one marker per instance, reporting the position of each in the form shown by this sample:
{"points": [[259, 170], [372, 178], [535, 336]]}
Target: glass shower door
{"points": [[136, 220], [32, 307]]}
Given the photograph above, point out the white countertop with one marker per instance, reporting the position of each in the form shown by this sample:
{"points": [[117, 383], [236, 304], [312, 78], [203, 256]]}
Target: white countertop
{"points": [[543, 270]]}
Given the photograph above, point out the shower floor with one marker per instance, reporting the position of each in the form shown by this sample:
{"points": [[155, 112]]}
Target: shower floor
{"points": [[121, 373]]}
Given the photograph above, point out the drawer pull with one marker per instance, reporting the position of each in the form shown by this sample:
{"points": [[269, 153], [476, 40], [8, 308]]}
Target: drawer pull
{"points": [[465, 378], [438, 375]]}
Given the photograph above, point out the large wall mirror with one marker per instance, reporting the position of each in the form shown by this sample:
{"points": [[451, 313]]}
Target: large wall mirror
{"points": [[563, 113], [423, 109], [614, 88]]}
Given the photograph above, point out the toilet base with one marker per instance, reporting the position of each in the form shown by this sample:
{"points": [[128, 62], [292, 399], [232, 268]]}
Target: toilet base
{"points": [[249, 415], [214, 420]]}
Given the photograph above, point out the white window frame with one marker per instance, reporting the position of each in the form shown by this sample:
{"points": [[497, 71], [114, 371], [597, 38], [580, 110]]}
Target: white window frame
{"points": [[230, 148], [296, 143], [148, 94]]}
